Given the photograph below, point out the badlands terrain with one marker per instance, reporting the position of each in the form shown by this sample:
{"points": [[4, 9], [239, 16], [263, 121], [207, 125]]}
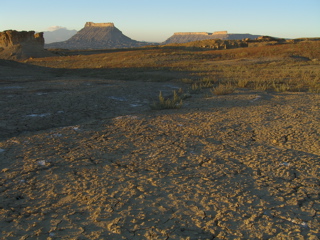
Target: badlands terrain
{"points": [[85, 154]]}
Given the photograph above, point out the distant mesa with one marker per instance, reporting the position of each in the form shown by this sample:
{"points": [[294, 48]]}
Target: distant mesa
{"points": [[98, 36], [185, 37], [220, 44], [15, 45]]}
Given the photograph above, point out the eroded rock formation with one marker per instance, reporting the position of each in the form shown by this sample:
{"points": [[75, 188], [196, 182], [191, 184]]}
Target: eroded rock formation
{"points": [[17, 45]]}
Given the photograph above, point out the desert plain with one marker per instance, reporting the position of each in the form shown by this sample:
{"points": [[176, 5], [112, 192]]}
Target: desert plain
{"points": [[84, 155]]}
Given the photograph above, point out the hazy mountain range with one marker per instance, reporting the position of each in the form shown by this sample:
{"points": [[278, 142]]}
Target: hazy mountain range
{"points": [[58, 34]]}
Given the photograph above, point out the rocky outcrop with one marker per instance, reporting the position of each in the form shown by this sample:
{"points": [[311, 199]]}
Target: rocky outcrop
{"points": [[17, 45], [98, 36], [185, 37]]}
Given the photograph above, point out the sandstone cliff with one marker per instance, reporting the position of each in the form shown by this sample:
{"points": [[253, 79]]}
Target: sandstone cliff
{"points": [[21, 45], [98, 36]]}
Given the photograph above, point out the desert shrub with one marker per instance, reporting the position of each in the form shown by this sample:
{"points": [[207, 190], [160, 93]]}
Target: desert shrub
{"points": [[195, 88], [315, 88], [206, 83], [314, 85], [242, 83], [223, 89], [261, 85], [168, 103], [187, 80], [280, 87]]}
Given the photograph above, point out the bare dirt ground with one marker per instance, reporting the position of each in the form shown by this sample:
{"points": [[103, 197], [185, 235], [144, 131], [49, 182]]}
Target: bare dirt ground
{"points": [[86, 158]]}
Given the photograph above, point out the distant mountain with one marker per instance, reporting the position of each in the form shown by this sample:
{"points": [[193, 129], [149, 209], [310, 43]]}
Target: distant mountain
{"points": [[98, 36], [184, 37], [58, 35]]}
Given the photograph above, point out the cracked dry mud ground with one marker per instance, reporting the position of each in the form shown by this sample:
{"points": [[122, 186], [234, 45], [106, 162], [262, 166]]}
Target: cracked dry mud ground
{"points": [[241, 166]]}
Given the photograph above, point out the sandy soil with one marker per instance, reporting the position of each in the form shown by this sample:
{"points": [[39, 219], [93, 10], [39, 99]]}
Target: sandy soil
{"points": [[86, 158]]}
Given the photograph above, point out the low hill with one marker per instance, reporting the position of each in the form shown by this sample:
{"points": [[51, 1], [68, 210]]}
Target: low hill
{"points": [[98, 36]]}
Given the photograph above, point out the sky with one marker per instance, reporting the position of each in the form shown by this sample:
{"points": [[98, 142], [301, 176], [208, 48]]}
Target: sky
{"points": [[155, 21]]}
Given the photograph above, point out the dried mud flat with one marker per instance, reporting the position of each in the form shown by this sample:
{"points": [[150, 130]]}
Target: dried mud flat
{"points": [[89, 160]]}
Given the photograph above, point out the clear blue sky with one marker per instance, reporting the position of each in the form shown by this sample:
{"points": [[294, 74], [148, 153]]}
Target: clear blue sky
{"points": [[157, 20]]}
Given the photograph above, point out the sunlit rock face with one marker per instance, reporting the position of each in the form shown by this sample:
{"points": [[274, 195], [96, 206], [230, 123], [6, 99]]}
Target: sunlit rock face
{"points": [[21, 45]]}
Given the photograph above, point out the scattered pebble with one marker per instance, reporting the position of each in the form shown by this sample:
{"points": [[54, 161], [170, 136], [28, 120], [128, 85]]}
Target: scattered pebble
{"points": [[120, 99], [257, 98], [39, 115], [284, 164], [135, 105], [1, 150], [56, 135], [42, 162]]}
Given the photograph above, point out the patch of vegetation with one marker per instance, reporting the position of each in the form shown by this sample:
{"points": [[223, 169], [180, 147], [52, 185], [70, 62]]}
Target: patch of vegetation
{"points": [[195, 88], [187, 80], [174, 103], [223, 89], [281, 87], [242, 83]]}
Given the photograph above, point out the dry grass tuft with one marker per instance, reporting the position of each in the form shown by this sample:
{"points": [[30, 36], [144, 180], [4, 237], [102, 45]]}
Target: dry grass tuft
{"points": [[168, 103], [223, 89]]}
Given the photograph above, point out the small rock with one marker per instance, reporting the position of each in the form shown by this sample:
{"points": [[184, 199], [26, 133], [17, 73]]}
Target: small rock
{"points": [[284, 164], [42, 162]]}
